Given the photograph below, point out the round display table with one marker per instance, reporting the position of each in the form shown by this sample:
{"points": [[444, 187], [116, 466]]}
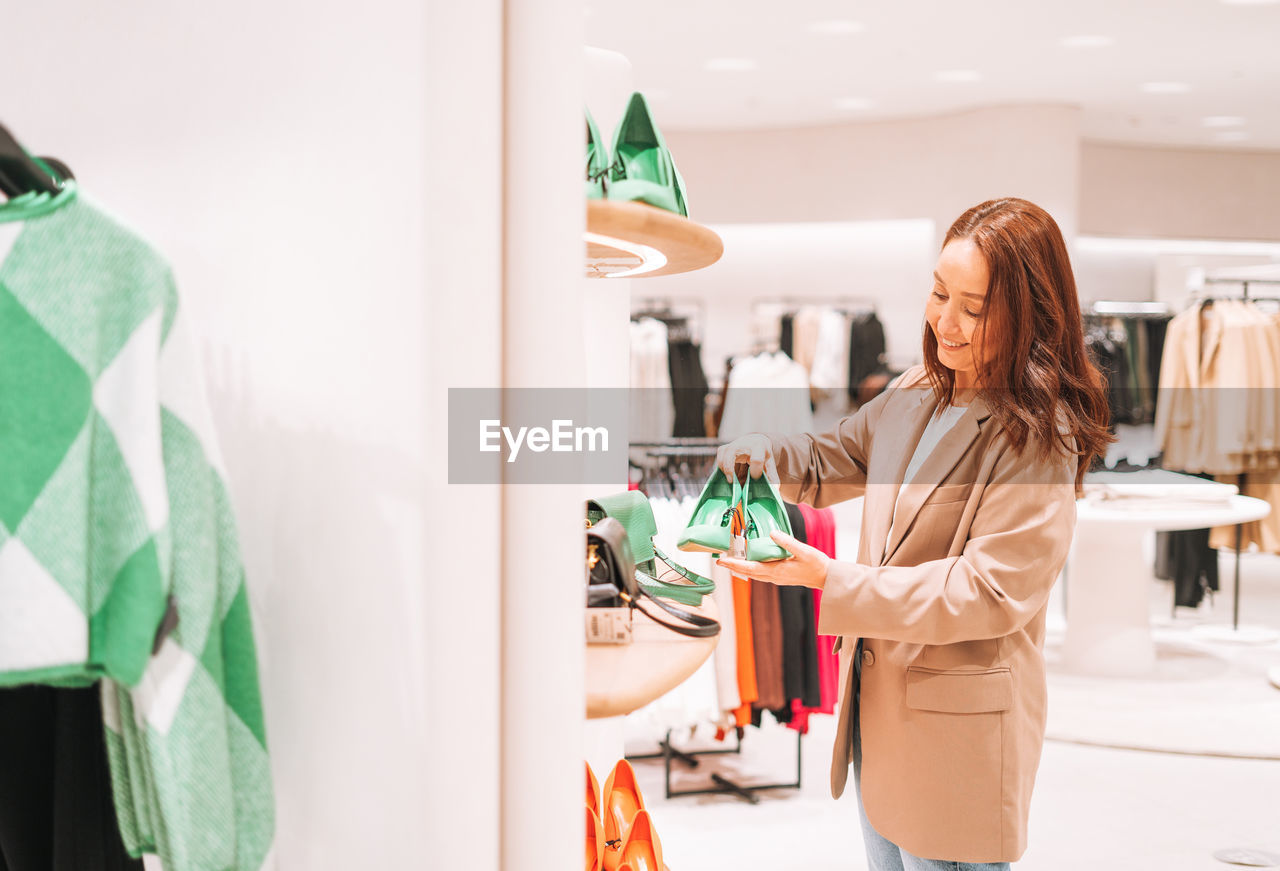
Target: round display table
{"points": [[1108, 581], [622, 678]]}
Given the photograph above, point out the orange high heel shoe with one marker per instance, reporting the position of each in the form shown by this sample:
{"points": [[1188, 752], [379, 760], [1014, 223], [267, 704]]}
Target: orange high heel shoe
{"points": [[643, 850], [622, 801], [595, 840], [593, 790]]}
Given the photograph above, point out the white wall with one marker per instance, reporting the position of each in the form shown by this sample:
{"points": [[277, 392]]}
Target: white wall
{"points": [[888, 262], [932, 168], [1180, 193], [328, 182], [838, 210]]}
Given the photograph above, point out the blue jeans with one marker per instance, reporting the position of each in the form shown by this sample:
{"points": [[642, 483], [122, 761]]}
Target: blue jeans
{"points": [[883, 854]]}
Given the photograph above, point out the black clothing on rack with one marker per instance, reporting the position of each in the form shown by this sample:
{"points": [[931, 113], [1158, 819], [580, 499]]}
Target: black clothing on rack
{"points": [[866, 348], [688, 386], [799, 633], [56, 806], [1156, 329], [1186, 559], [786, 335]]}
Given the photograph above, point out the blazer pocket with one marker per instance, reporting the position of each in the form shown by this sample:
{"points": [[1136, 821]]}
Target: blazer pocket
{"points": [[949, 493], [959, 692]]}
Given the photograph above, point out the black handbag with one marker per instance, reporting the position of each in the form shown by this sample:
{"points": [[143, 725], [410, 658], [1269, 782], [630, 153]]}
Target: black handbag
{"points": [[612, 582]]}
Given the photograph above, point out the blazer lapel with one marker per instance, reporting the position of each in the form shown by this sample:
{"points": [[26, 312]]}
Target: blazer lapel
{"points": [[936, 467], [878, 506]]}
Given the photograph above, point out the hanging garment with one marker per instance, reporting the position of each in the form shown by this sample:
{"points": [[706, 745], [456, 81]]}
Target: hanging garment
{"points": [[726, 652], [1219, 411], [652, 409], [1108, 348], [747, 690], [766, 392], [689, 388], [115, 511], [1155, 329], [1263, 534], [766, 636], [56, 809], [866, 350], [1186, 558], [786, 335], [805, 330], [799, 638], [829, 368], [820, 527]]}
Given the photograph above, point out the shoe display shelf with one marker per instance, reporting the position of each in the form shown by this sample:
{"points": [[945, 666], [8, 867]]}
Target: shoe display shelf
{"points": [[634, 240], [622, 678]]}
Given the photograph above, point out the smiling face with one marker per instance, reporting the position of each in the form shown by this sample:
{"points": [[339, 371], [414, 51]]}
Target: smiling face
{"points": [[955, 307]]}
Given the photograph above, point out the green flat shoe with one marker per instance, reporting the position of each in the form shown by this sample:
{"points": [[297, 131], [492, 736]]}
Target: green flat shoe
{"points": [[765, 512], [643, 169], [708, 529], [597, 161]]}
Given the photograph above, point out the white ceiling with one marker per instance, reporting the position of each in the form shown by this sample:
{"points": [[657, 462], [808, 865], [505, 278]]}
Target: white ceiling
{"points": [[1226, 54]]}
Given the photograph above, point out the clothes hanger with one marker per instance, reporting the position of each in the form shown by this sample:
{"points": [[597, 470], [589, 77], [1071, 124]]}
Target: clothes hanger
{"points": [[20, 173]]}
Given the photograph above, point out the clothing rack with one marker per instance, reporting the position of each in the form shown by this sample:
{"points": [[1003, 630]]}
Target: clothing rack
{"points": [[665, 308], [846, 304], [723, 785], [1244, 288], [1240, 478], [673, 466], [1105, 308]]}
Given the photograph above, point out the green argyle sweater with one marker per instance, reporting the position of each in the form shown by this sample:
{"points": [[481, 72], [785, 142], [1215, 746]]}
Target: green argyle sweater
{"points": [[113, 503]]}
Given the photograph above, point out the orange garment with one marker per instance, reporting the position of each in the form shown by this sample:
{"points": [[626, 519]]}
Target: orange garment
{"points": [[748, 692]]}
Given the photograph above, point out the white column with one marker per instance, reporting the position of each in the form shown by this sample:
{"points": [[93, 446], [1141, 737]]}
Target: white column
{"points": [[542, 549], [462, 338]]}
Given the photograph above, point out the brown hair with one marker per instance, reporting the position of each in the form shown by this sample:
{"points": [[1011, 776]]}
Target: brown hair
{"points": [[1037, 376]]}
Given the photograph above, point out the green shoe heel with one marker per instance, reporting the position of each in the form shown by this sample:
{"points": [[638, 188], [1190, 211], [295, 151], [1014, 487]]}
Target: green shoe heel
{"points": [[597, 168], [643, 169], [766, 513]]}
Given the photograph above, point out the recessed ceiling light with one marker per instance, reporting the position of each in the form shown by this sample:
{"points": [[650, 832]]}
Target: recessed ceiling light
{"points": [[1088, 41], [1222, 121], [730, 64], [958, 76], [1166, 87], [854, 104], [1231, 136], [837, 26]]}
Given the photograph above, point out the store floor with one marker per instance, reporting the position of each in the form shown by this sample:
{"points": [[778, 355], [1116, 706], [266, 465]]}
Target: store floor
{"points": [[1094, 806]]}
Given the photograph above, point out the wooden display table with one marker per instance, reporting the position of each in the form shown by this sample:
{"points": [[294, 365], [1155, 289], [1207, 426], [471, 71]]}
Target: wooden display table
{"points": [[622, 678], [633, 240]]}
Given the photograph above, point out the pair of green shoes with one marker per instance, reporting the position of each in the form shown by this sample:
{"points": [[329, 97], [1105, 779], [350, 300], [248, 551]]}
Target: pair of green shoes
{"points": [[763, 512], [642, 169]]}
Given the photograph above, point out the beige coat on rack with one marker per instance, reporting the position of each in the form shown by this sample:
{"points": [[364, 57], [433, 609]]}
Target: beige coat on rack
{"points": [[1219, 379], [951, 610]]}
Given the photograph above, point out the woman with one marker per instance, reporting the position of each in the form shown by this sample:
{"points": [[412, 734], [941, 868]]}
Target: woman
{"points": [[970, 466]]}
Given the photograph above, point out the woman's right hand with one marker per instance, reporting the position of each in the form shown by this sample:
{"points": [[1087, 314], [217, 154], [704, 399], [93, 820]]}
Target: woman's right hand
{"points": [[755, 449]]}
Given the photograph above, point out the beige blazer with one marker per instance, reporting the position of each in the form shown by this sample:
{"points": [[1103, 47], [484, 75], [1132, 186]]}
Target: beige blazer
{"points": [[951, 611], [1219, 408]]}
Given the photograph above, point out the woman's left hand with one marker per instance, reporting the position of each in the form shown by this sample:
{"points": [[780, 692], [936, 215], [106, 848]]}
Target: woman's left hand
{"points": [[806, 568]]}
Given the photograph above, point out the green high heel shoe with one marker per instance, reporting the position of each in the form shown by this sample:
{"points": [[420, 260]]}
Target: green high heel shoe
{"points": [[708, 528], [643, 170], [765, 513], [597, 161]]}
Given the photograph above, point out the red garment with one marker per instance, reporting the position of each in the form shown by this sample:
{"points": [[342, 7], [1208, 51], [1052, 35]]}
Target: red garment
{"points": [[820, 530]]}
